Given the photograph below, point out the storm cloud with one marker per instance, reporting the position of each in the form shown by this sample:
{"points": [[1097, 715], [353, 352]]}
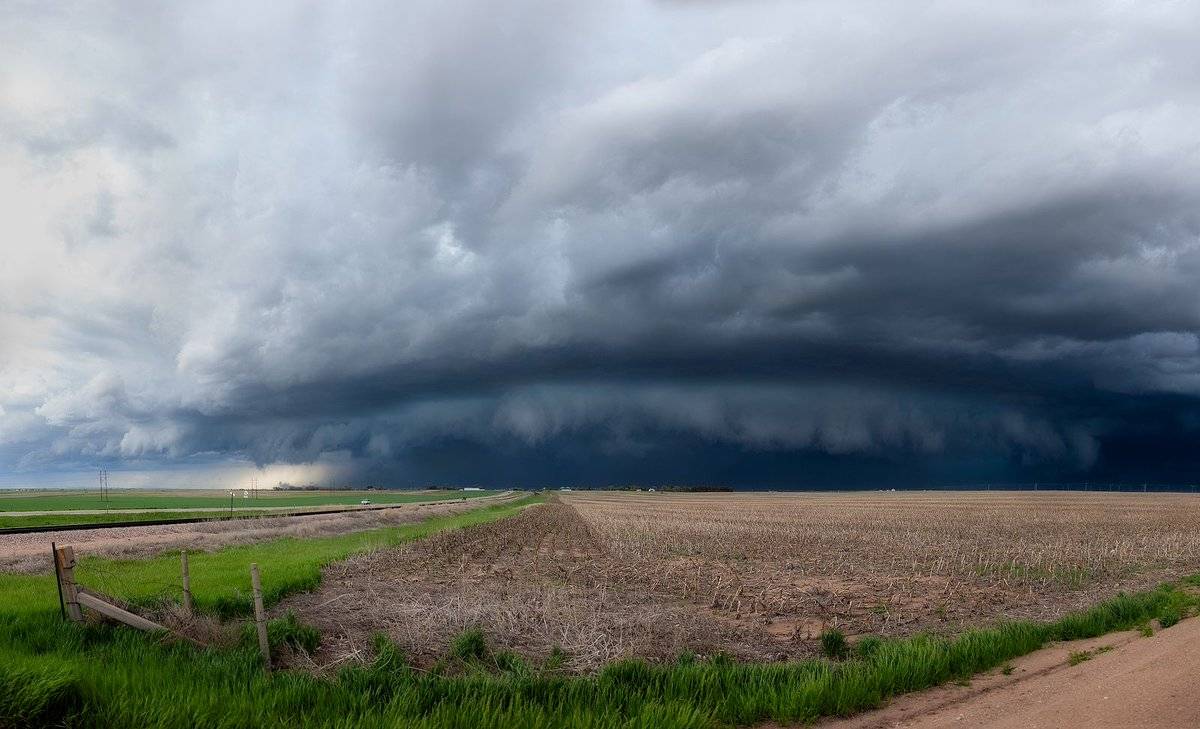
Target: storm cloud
{"points": [[531, 243]]}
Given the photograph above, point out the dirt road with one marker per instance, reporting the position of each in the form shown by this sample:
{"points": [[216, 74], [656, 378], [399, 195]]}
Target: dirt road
{"points": [[1140, 682]]}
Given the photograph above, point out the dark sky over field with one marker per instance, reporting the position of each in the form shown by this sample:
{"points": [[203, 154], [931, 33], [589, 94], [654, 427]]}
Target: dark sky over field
{"points": [[751, 243]]}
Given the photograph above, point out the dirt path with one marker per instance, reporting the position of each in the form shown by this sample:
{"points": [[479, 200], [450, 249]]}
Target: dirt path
{"points": [[28, 552], [1140, 682]]}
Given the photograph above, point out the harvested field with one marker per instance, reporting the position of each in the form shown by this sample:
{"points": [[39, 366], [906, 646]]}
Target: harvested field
{"points": [[758, 576], [28, 553]]}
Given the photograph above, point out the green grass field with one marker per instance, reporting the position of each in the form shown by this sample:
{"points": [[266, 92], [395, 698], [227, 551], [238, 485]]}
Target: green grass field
{"points": [[183, 499], [53, 673]]}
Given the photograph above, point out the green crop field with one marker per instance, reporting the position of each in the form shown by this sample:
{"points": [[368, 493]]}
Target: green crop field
{"points": [[209, 499], [54, 673]]}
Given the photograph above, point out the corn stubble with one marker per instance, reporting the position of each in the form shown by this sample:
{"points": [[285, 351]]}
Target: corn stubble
{"points": [[601, 576]]}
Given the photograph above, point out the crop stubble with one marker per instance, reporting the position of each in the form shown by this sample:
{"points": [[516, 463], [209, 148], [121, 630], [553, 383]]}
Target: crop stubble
{"points": [[759, 576]]}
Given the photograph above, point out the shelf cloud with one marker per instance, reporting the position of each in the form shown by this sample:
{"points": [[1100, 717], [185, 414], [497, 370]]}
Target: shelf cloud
{"points": [[756, 243]]}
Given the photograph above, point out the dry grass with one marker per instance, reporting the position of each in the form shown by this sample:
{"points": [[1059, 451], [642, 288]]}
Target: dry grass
{"points": [[756, 575]]}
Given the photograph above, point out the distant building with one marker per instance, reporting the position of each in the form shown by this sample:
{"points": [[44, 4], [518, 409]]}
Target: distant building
{"points": [[472, 488]]}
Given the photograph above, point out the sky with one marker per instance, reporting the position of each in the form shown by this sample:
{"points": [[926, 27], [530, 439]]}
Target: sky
{"points": [[760, 244]]}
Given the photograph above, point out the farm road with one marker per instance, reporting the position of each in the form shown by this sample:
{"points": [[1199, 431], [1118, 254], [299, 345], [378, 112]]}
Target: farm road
{"points": [[1141, 682]]}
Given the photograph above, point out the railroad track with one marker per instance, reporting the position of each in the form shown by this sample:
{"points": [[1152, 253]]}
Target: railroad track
{"points": [[269, 515]]}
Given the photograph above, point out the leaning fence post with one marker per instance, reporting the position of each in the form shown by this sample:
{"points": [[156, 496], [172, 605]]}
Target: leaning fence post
{"points": [[260, 617], [62, 606], [187, 583], [64, 559]]}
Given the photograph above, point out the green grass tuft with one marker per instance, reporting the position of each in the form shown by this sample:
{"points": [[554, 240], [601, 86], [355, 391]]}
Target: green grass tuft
{"points": [[834, 645], [867, 646], [471, 645], [287, 631], [556, 659]]}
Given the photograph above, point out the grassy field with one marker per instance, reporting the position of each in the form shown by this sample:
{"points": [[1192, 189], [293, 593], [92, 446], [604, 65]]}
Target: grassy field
{"points": [[52, 673], [208, 499]]}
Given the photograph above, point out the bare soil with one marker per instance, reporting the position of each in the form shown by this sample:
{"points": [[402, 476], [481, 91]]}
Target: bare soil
{"points": [[758, 576]]}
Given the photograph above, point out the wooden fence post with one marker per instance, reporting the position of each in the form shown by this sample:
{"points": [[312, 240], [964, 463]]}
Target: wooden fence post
{"points": [[187, 583], [260, 617], [62, 606], [65, 562], [76, 597]]}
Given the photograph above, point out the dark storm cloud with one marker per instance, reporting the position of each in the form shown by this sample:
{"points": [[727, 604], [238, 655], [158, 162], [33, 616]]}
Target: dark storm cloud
{"points": [[743, 242]]}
